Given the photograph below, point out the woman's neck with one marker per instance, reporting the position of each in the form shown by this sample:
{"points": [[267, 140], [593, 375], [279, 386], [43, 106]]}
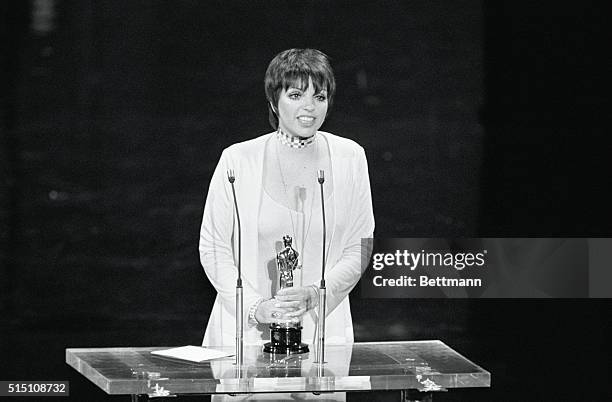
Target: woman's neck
{"points": [[295, 142]]}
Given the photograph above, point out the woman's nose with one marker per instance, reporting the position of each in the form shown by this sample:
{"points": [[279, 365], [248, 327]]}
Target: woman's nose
{"points": [[309, 103]]}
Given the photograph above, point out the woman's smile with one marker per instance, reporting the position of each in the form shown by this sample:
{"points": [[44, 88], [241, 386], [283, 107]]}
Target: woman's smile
{"points": [[306, 121]]}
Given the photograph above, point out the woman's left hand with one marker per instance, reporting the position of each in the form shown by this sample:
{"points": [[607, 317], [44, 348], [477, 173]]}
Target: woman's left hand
{"points": [[303, 299]]}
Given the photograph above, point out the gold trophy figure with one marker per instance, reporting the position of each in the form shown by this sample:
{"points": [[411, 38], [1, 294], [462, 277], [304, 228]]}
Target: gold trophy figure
{"points": [[286, 336]]}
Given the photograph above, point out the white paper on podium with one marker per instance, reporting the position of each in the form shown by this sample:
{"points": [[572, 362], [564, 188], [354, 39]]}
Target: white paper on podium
{"points": [[196, 354]]}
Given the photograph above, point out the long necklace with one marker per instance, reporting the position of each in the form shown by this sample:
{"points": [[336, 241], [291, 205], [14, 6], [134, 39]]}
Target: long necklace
{"points": [[280, 169]]}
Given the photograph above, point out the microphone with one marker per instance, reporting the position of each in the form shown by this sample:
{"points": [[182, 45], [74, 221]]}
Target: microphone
{"points": [[320, 355], [239, 290], [321, 180]]}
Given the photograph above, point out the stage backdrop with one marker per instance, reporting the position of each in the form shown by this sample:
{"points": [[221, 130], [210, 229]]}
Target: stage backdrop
{"points": [[477, 120]]}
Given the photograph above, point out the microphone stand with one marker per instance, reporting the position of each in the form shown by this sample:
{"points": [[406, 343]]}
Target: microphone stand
{"points": [[320, 346], [239, 294]]}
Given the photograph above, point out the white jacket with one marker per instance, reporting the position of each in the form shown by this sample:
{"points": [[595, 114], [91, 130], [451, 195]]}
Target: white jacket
{"points": [[218, 249]]}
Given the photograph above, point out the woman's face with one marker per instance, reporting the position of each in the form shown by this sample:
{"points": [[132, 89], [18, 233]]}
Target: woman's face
{"points": [[301, 113]]}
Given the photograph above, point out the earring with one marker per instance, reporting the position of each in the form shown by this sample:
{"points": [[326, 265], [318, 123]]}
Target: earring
{"points": [[273, 108]]}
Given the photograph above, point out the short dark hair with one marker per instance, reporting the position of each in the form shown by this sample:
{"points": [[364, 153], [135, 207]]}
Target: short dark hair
{"points": [[292, 68]]}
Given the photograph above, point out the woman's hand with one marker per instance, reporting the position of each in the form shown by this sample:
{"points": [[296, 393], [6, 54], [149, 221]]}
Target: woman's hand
{"points": [[274, 310], [288, 305], [299, 299]]}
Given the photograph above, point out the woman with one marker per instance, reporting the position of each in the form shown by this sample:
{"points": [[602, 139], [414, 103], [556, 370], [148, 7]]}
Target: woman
{"points": [[278, 195]]}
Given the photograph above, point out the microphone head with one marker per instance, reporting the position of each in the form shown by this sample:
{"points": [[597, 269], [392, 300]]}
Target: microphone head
{"points": [[301, 193], [321, 176], [230, 175]]}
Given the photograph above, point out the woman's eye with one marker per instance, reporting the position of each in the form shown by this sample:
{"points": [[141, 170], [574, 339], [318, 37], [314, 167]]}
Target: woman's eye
{"points": [[321, 98], [294, 95]]}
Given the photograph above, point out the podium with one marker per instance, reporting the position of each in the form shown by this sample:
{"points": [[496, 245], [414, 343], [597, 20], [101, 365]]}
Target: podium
{"points": [[418, 369]]}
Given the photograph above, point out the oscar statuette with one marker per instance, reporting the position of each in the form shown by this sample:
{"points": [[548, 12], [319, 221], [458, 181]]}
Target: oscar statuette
{"points": [[286, 336]]}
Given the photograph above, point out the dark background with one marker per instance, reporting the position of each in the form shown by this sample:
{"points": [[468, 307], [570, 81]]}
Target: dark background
{"points": [[477, 120]]}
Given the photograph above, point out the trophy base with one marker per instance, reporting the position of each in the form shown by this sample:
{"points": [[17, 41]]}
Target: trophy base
{"points": [[285, 340], [290, 350]]}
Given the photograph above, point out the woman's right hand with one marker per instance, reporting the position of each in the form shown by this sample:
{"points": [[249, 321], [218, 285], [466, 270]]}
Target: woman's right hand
{"points": [[274, 310]]}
